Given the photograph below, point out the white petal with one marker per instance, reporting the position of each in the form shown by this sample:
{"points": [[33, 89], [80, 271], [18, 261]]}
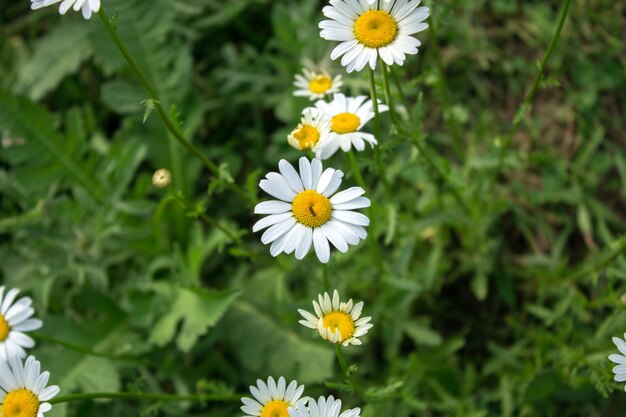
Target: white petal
{"points": [[322, 250]]}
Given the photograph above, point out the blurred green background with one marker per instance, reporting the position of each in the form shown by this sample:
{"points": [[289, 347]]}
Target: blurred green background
{"points": [[506, 312]]}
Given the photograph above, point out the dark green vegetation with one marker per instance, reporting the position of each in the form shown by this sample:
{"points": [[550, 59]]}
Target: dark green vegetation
{"points": [[504, 309]]}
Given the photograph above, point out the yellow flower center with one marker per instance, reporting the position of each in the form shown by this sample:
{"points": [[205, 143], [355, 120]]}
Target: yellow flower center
{"points": [[307, 136], [4, 328], [375, 29], [20, 403], [275, 408], [320, 84], [339, 320], [345, 123], [311, 208]]}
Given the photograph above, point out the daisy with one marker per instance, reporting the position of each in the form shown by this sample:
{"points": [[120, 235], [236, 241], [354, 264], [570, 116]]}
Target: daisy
{"points": [[308, 212], [367, 31], [347, 116], [324, 407], [23, 391], [14, 321], [316, 85], [620, 360], [336, 321], [272, 399], [87, 6], [314, 128]]}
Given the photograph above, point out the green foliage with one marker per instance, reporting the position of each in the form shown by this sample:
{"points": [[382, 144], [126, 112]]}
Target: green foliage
{"points": [[504, 309]]}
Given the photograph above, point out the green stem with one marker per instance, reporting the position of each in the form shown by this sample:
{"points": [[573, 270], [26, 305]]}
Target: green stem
{"points": [[325, 279], [176, 134], [388, 97], [355, 169], [87, 351], [143, 396], [344, 367], [533, 91], [377, 156]]}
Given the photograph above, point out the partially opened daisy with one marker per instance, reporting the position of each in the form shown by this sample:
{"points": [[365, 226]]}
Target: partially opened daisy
{"points": [[347, 116], [15, 319], [620, 360], [316, 85], [308, 212], [367, 30], [23, 391], [314, 128], [324, 407], [273, 399], [337, 321], [87, 6]]}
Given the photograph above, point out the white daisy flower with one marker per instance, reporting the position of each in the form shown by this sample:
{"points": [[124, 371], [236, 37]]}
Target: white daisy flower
{"points": [[619, 360], [324, 407], [14, 321], [308, 212], [314, 128], [23, 391], [374, 1], [273, 399], [87, 6], [367, 31], [316, 85], [337, 321], [347, 116]]}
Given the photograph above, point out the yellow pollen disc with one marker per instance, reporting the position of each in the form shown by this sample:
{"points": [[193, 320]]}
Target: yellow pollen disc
{"points": [[320, 84], [375, 29], [339, 320], [307, 136], [311, 208], [275, 408], [4, 328], [345, 123], [20, 403]]}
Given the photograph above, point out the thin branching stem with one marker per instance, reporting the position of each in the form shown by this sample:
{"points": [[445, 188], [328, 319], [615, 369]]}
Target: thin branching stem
{"points": [[344, 367], [525, 106], [169, 125]]}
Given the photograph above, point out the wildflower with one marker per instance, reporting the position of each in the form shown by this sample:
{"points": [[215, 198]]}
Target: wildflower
{"points": [[336, 321], [14, 321], [367, 31], [308, 212], [87, 6], [23, 390], [324, 407], [272, 399], [316, 85], [314, 128], [620, 360], [347, 116], [162, 178]]}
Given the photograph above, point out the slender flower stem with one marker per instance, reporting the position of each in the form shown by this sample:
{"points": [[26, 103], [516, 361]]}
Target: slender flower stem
{"points": [[144, 396], [424, 151], [169, 125], [355, 169], [377, 156], [344, 367], [325, 279], [508, 139]]}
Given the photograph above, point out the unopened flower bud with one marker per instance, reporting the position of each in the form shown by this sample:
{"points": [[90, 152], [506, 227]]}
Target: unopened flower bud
{"points": [[162, 178]]}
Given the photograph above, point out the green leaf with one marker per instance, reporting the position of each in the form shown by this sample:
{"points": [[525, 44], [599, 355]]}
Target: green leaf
{"points": [[198, 309]]}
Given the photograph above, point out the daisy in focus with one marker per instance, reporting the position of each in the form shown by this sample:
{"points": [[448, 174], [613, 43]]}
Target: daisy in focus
{"points": [[316, 85], [337, 321], [620, 360], [14, 321], [308, 212], [347, 116], [86, 6], [23, 391], [314, 128], [324, 407], [367, 31], [273, 399]]}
